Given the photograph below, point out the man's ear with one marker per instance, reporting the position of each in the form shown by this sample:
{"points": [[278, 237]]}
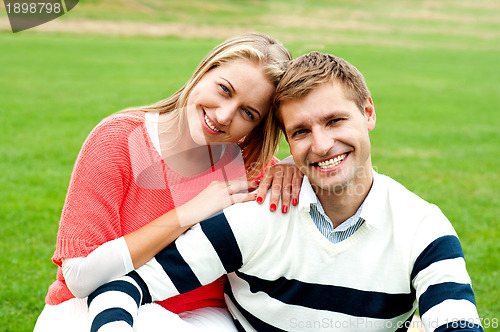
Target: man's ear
{"points": [[370, 113]]}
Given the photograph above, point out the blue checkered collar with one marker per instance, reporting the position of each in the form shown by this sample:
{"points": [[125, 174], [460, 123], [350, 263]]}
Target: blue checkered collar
{"points": [[370, 209]]}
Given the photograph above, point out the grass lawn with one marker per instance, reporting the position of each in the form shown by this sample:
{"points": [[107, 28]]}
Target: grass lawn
{"points": [[434, 81]]}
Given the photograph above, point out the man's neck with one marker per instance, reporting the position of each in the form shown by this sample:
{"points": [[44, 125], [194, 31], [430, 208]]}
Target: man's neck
{"points": [[341, 206]]}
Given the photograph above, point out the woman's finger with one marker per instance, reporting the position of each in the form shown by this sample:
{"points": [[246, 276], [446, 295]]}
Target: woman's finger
{"points": [[277, 184], [296, 185], [264, 185], [241, 198], [239, 186], [286, 190]]}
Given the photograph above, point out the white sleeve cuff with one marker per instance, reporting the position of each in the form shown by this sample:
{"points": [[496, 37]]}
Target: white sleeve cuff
{"points": [[111, 260]]}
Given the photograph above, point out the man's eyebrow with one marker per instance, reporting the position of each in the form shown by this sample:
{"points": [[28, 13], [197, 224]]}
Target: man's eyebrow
{"points": [[333, 115], [234, 90], [336, 113]]}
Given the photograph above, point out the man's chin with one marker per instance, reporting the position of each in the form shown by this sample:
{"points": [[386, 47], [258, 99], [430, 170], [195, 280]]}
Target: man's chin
{"points": [[329, 181], [329, 188]]}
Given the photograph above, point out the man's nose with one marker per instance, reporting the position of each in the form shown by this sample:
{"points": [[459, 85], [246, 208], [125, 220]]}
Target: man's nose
{"points": [[321, 142]]}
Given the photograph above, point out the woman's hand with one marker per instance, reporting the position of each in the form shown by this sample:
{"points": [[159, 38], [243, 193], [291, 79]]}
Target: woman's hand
{"points": [[284, 179], [215, 197]]}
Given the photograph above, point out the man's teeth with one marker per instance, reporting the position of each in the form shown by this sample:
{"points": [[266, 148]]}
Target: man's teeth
{"points": [[332, 162], [210, 124]]}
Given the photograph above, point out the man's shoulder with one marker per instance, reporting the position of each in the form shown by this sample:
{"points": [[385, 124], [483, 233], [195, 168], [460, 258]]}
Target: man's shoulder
{"points": [[250, 211], [254, 215], [398, 193], [407, 213], [403, 202]]}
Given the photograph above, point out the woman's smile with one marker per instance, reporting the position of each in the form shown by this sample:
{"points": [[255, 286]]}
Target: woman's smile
{"points": [[210, 124]]}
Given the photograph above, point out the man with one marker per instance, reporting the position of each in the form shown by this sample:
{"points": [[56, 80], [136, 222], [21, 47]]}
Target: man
{"points": [[360, 252]]}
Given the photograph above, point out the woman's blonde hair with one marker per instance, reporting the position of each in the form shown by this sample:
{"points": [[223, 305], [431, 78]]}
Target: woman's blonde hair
{"points": [[260, 144]]}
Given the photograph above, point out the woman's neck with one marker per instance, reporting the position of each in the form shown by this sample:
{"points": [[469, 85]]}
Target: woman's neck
{"points": [[182, 154]]}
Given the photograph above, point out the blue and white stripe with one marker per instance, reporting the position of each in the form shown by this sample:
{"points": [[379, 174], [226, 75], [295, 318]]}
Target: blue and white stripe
{"points": [[280, 277]]}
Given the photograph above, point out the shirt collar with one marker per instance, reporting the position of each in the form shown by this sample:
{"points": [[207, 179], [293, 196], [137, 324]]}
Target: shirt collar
{"points": [[375, 202], [306, 195], [346, 224], [372, 206]]}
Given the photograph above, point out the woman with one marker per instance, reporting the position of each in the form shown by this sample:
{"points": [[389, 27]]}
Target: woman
{"points": [[146, 175]]}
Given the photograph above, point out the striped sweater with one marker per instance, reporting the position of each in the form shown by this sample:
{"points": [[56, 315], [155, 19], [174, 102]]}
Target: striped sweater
{"points": [[284, 275]]}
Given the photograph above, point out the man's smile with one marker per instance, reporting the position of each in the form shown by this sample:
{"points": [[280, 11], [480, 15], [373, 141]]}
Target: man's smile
{"points": [[332, 162]]}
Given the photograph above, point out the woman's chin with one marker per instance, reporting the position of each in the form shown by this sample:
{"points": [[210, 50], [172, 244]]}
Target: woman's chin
{"points": [[200, 140]]}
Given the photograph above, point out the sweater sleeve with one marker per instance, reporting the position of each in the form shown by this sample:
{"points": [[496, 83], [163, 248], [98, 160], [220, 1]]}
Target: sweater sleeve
{"points": [[218, 245], [440, 279], [91, 213]]}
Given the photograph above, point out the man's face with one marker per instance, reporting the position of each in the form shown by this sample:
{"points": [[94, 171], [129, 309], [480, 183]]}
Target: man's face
{"points": [[328, 138]]}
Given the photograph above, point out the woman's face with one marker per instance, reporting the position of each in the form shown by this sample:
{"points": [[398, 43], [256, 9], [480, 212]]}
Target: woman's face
{"points": [[228, 102]]}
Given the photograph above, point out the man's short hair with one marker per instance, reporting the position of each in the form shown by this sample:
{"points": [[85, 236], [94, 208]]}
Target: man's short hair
{"points": [[314, 69]]}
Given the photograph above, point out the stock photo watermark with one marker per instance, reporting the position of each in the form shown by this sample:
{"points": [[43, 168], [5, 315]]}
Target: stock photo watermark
{"points": [[26, 14], [362, 323]]}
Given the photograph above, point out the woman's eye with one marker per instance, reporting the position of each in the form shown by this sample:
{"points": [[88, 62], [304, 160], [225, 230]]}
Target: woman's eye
{"points": [[225, 89], [249, 114]]}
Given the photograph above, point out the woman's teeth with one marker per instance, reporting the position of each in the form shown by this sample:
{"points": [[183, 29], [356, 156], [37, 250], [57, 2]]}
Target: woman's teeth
{"points": [[332, 162], [211, 125]]}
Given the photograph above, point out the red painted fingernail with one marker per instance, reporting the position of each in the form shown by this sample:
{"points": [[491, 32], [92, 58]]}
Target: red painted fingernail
{"points": [[260, 199], [273, 207], [294, 202], [284, 209]]}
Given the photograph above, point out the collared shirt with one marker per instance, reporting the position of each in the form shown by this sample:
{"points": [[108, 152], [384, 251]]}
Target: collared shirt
{"points": [[310, 202], [325, 225]]}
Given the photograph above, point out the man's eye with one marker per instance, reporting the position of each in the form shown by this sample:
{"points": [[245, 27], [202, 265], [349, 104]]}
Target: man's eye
{"points": [[299, 132], [334, 121]]}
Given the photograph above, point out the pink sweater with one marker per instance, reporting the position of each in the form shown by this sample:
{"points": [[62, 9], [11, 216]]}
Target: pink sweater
{"points": [[119, 184]]}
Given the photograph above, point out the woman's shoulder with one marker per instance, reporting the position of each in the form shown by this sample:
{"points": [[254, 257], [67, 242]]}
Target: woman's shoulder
{"points": [[113, 133], [118, 124], [123, 120]]}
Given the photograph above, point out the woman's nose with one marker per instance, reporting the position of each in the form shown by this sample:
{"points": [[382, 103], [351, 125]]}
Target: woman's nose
{"points": [[225, 113]]}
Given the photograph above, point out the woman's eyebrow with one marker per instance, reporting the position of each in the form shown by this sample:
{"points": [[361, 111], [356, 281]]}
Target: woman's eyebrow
{"points": [[231, 85], [255, 110]]}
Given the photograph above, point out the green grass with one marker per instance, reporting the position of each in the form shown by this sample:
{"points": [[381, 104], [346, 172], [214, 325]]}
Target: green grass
{"points": [[434, 82]]}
